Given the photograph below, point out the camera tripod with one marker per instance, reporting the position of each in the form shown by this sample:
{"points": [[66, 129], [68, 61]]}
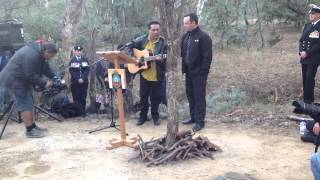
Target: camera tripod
{"points": [[112, 123], [38, 109], [9, 112]]}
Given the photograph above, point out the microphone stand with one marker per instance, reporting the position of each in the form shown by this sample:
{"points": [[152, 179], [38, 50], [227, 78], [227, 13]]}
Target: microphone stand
{"points": [[112, 123]]}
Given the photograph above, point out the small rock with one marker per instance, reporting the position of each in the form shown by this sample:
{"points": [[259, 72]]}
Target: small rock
{"points": [[284, 124]]}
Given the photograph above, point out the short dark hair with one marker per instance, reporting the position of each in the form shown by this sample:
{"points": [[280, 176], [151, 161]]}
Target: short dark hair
{"points": [[50, 48], [193, 17], [153, 22]]}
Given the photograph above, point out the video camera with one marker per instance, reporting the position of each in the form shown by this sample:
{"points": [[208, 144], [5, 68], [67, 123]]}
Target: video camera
{"points": [[313, 110], [57, 86], [48, 93]]}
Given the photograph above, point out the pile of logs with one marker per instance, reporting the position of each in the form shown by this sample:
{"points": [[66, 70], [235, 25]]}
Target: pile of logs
{"points": [[154, 151]]}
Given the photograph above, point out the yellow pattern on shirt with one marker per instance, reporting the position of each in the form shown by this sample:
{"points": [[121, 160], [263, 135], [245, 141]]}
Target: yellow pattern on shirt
{"points": [[151, 73]]}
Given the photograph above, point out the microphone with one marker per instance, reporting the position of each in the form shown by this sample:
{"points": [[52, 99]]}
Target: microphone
{"points": [[127, 45], [131, 43]]}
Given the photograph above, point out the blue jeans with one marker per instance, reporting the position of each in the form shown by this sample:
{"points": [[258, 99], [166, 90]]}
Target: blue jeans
{"points": [[315, 165]]}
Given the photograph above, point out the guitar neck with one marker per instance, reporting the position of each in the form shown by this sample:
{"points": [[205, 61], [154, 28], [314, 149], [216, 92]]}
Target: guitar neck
{"points": [[152, 58]]}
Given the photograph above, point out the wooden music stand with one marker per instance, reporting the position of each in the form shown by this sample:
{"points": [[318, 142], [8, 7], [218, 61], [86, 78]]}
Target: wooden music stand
{"points": [[117, 58]]}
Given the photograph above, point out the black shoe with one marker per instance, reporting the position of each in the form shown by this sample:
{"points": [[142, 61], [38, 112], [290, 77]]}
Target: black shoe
{"points": [[156, 121], [189, 121], [140, 121], [197, 127]]}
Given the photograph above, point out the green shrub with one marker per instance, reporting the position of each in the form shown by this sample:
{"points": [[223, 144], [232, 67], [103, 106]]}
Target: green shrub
{"points": [[225, 100]]}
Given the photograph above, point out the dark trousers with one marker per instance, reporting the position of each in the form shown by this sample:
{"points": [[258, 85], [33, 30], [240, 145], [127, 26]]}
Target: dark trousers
{"points": [[79, 94], [164, 92], [309, 72], [196, 94], [150, 89]]}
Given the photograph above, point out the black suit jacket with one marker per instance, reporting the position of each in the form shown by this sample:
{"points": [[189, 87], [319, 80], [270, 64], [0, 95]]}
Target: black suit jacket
{"points": [[310, 42], [200, 53]]}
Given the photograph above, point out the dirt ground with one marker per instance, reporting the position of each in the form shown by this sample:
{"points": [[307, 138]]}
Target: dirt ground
{"points": [[70, 152]]}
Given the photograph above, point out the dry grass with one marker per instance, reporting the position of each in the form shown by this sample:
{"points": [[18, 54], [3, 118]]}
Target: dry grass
{"points": [[267, 75]]}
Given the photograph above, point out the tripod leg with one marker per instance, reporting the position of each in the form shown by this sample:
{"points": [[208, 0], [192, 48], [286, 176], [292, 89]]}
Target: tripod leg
{"points": [[7, 120], [7, 110], [47, 113]]}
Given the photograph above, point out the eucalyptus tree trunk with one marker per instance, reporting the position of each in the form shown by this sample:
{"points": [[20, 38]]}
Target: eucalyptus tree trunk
{"points": [[200, 6], [72, 14], [171, 20], [259, 25], [92, 58]]}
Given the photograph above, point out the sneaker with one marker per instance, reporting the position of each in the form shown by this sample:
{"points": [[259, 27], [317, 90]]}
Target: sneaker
{"points": [[35, 133], [41, 128]]}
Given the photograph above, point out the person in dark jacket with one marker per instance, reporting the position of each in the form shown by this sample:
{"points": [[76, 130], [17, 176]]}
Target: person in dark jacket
{"points": [[309, 52], [151, 78], [79, 71], [311, 132], [196, 53], [23, 72]]}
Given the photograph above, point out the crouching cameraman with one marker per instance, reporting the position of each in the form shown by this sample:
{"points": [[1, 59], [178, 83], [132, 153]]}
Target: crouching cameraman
{"points": [[312, 131], [23, 72]]}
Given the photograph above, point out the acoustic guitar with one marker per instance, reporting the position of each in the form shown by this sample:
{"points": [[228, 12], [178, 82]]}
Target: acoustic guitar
{"points": [[142, 58]]}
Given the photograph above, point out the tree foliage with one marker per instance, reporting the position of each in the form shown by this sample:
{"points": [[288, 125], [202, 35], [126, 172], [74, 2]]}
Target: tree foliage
{"points": [[229, 21], [236, 21]]}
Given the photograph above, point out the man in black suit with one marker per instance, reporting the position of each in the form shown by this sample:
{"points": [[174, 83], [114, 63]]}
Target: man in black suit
{"points": [[309, 52], [196, 53]]}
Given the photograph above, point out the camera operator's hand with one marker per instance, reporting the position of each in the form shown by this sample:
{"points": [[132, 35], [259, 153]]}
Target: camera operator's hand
{"points": [[80, 81], [316, 128], [48, 84]]}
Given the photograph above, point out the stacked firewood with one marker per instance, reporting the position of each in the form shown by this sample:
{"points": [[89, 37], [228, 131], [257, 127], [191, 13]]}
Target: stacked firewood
{"points": [[154, 151]]}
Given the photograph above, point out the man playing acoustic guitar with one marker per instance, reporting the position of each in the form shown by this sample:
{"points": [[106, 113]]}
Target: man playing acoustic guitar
{"points": [[153, 74]]}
